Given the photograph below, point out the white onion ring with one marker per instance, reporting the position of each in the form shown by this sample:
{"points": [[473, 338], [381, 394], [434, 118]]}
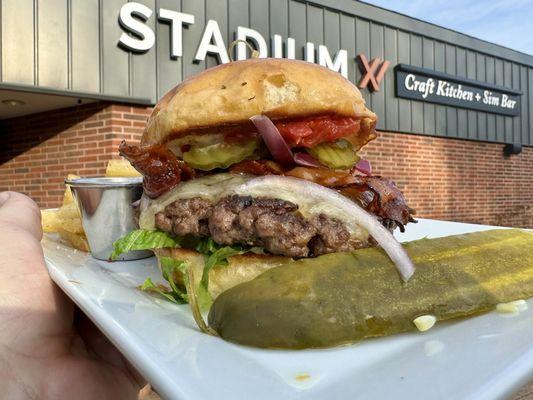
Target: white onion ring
{"points": [[312, 190]]}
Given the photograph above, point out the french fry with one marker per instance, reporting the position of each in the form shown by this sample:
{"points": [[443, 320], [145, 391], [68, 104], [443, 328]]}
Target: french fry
{"points": [[78, 241], [66, 221], [50, 220], [72, 225], [69, 211], [67, 197], [120, 168]]}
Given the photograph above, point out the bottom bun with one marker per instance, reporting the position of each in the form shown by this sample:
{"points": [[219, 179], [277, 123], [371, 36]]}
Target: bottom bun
{"points": [[241, 268]]}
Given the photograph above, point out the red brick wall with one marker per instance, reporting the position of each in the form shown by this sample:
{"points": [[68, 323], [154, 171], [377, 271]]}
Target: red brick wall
{"points": [[442, 178], [457, 180], [41, 149]]}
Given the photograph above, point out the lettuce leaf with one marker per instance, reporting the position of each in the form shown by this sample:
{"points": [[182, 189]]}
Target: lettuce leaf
{"points": [[217, 255], [214, 255], [175, 294], [149, 286], [142, 239]]}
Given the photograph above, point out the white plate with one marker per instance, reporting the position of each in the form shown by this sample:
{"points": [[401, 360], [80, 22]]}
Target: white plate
{"points": [[485, 357]]}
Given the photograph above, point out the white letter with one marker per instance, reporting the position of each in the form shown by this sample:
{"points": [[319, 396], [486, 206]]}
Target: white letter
{"points": [[485, 97], [277, 50], [277, 46], [132, 25], [212, 32], [255, 37], [441, 87], [507, 102], [177, 20], [310, 52], [339, 65], [429, 87], [409, 79], [291, 52]]}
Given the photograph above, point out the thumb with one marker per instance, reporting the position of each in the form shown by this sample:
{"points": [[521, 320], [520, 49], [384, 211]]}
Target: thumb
{"points": [[19, 212]]}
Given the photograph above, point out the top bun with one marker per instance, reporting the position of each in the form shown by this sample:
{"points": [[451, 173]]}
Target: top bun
{"points": [[229, 94]]}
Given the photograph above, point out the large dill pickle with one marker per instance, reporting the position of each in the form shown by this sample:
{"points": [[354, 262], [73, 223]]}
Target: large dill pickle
{"points": [[220, 155], [345, 297], [336, 155]]}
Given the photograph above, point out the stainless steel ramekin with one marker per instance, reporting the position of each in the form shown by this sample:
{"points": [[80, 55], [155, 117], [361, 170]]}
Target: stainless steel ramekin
{"points": [[107, 214]]}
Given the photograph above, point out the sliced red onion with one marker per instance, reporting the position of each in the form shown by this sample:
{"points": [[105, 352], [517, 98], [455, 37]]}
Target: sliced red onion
{"points": [[294, 189], [279, 149], [277, 145], [364, 167], [307, 160]]}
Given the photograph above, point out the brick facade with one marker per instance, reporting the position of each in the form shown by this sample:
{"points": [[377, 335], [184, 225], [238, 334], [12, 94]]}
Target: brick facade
{"points": [[442, 178], [457, 180], [41, 149]]}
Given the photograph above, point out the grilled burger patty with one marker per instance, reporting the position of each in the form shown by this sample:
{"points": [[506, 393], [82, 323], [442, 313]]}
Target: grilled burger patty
{"points": [[273, 224]]}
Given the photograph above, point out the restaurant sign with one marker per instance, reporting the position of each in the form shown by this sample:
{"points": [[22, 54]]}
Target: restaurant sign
{"points": [[440, 88]]}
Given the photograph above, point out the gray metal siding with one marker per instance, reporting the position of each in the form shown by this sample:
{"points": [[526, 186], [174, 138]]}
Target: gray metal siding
{"points": [[376, 50], [85, 38], [417, 107], [347, 42], [440, 66], [143, 66], [217, 10], [404, 104], [169, 71], [52, 43], [72, 45], [115, 63], [391, 116], [18, 41], [428, 61]]}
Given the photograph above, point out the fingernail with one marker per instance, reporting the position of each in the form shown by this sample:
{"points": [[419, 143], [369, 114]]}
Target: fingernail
{"points": [[3, 198]]}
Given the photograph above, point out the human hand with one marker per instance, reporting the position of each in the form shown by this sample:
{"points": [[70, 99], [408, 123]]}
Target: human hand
{"points": [[48, 349]]}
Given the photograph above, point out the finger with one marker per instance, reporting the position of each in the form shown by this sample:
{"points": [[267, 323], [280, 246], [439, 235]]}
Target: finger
{"points": [[18, 211], [101, 348], [29, 298], [21, 253]]}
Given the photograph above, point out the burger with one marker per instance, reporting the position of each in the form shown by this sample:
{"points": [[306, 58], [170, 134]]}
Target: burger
{"points": [[252, 163]]}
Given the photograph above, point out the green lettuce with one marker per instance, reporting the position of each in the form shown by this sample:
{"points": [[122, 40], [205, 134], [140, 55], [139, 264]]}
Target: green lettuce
{"points": [[175, 294], [142, 239], [217, 256], [149, 286], [214, 255]]}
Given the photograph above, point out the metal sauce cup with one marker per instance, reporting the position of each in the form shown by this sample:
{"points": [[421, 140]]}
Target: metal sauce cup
{"points": [[107, 213]]}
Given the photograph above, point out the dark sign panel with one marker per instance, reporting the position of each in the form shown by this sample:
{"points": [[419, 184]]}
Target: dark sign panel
{"points": [[436, 87]]}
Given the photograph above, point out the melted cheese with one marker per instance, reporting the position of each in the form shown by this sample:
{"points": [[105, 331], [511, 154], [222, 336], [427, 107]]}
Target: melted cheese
{"points": [[211, 187], [218, 186]]}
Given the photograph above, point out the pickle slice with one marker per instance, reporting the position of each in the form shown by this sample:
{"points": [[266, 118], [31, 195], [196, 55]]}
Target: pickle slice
{"points": [[220, 155], [336, 155], [344, 297]]}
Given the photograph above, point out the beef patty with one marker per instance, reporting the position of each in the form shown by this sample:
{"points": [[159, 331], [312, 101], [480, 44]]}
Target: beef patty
{"points": [[273, 224]]}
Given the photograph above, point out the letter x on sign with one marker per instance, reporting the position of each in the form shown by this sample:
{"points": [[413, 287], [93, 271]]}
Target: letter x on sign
{"points": [[370, 72]]}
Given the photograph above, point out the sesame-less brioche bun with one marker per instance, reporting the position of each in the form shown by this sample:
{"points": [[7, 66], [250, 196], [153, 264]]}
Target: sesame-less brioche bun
{"points": [[229, 94]]}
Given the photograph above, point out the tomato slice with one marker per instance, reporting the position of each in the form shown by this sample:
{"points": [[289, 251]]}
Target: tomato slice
{"points": [[309, 132]]}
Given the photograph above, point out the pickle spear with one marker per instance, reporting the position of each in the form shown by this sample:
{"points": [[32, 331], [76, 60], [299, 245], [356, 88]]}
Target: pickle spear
{"points": [[345, 297]]}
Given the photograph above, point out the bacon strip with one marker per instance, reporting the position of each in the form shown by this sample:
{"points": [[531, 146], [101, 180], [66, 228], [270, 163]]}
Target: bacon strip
{"points": [[160, 168], [382, 198], [259, 167]]}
